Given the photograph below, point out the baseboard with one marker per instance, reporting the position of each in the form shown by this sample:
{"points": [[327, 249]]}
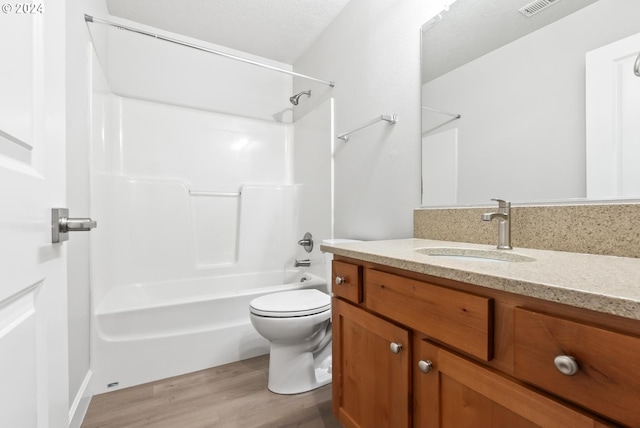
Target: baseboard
{"points": [[81, 402]]}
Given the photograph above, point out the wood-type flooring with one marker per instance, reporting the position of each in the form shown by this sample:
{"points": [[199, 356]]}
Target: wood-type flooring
{"points": [[230, 396]]}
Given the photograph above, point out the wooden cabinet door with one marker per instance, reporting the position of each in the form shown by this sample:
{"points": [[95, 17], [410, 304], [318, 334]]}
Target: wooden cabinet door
{"points": [[371, 383], [459, 393]]}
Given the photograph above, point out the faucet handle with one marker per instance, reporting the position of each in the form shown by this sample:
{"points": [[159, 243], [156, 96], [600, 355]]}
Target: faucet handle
{"points": [[502, 203]]}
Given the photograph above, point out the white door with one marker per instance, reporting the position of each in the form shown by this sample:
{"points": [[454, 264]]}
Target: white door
{"points": [[33, 299], [613, 128]]}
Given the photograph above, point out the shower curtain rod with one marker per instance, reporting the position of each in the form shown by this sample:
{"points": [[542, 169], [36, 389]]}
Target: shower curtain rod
{"points": [[89, 18]]}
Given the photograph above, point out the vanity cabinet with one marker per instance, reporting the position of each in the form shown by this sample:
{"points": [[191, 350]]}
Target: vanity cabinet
{"points": [[412, 350]]}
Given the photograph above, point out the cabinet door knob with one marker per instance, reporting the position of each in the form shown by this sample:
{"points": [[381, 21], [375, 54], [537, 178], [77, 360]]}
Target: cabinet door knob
{"points": [[425, 366], [395, 347], [566, 365], [340, 280]]}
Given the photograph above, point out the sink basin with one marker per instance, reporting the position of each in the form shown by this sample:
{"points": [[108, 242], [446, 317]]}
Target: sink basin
{"points": [[475, 254]]}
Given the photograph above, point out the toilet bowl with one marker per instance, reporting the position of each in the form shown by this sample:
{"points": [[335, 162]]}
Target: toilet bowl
{"points": [[296, 323], [298, 326]]}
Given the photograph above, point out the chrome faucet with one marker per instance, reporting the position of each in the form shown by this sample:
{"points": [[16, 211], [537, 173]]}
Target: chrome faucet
{"points": [[306, 242], [504, 223], [302, 263]]}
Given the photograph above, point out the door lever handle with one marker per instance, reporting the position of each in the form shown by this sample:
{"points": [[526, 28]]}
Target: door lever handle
{"points": [[61, 225], [77, 224]]}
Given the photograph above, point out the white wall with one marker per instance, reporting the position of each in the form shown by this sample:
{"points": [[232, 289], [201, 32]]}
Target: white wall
{"points": [[77, 69], [312, 166], [372, 52]]}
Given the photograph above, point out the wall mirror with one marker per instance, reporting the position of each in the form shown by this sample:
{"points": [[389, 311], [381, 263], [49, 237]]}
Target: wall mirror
{"points": [[521, 107]]}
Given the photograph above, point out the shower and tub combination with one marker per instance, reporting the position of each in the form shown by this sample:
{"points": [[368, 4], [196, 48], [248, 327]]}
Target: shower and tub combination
{"points": [[203, 185]]}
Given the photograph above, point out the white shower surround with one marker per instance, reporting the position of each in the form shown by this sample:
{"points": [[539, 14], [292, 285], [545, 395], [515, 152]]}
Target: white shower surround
{"points": [[193, 180]]}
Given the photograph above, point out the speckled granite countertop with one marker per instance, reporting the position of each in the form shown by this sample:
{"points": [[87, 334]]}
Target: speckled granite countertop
{"points": [[605, 284]]}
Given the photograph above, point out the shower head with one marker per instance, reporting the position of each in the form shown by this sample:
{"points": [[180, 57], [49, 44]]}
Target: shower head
{"points": [[294, 99]]}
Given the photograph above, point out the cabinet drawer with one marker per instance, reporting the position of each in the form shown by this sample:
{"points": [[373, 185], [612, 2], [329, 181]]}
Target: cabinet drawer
{"points": [[456, 392], [456, 318], [347, 281], [608, 376]]}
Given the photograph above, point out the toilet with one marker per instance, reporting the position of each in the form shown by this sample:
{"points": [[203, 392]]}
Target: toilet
{"points": [[298, 326]]}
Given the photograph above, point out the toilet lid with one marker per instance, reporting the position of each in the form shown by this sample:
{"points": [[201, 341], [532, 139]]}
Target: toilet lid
{"points": [[294, 303]]}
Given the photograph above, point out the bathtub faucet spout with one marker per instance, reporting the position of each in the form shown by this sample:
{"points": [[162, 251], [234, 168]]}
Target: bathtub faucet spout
{"points": [[302, 263]]}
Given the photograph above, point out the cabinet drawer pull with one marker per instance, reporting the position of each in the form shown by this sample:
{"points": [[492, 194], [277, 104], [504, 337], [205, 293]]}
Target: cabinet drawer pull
{"points": [[425, 366], [395, 347], [340, 280], [566, 365]]}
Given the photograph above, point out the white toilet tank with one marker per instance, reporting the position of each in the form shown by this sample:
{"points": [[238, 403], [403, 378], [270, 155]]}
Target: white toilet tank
{"points": [[328, 257]]}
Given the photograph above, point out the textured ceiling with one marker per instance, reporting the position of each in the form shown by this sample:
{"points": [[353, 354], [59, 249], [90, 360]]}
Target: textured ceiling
{"points": [[277, 29], [473, 28]]}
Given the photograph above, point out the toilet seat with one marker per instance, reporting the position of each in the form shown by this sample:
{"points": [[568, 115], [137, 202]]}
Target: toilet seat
{"points": [[289, 304]]}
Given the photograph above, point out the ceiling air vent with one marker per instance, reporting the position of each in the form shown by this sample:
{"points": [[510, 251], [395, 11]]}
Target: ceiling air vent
{"points": [[536, 6]]}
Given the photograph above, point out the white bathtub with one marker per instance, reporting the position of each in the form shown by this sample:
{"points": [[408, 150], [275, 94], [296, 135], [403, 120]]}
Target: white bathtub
{"points": [[146, 332]]}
